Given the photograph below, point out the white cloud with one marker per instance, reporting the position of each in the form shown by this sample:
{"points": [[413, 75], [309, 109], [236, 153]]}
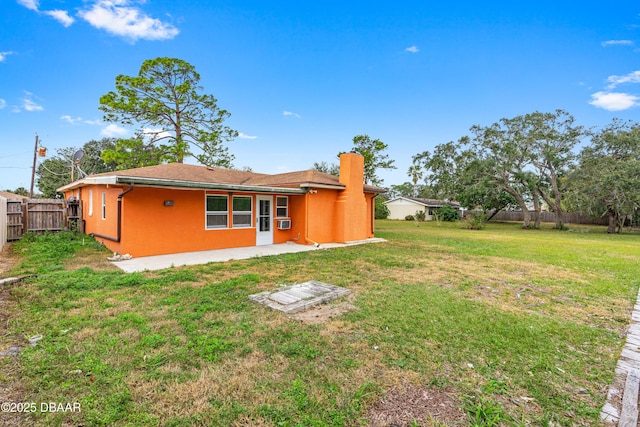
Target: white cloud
{"points": [[29, 4], [245, 136], [617, 43], [614, 101], [3, 55], [3, 103], [113, 130], [614, 81], [62, 16], [70, 119], [79, 120], [291, 114], [412, 49], [117, 18], [28, 104]]}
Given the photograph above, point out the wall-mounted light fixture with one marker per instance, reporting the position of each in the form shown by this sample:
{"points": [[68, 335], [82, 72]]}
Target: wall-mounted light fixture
{"points": [[168, 202]]}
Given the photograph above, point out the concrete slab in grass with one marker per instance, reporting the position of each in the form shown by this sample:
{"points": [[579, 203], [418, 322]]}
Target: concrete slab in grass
{"points": [[299, 297]]}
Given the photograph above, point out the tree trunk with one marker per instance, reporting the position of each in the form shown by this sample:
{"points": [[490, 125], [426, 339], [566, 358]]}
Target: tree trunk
{"points": [[613, 221], [525, 211], [527, 218], [620, 220], [557, 199], [537, 208], [556, 206], [557, 209], [495, 212], [556, 203]]}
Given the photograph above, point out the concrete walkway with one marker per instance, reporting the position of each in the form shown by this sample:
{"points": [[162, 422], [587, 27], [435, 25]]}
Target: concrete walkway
{"points": [[160, 262]]}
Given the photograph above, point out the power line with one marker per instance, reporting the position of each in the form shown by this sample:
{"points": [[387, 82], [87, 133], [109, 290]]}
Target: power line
{"points": [[52, 172]]}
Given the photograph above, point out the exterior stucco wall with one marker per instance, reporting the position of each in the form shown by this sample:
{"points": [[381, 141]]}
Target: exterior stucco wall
{"points": [[155, 220]]}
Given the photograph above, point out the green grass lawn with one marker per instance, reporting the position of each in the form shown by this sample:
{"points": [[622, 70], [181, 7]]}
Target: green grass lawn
{"points": [[521, 327]]}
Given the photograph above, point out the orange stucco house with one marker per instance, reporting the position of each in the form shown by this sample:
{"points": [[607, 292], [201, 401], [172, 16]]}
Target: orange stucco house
{"points": [[182, 208]]}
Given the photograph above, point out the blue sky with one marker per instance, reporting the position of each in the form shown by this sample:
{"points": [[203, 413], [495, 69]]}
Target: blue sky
{"points": [[301, 79]]}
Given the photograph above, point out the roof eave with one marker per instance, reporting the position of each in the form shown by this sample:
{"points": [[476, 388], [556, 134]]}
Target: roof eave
{"points": [[327, 186], [171, 183], [374, 189], [98, 180]]}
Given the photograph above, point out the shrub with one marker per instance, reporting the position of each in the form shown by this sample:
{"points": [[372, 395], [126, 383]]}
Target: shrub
{"points": [[382, 211], [420, 216], [448, 213], [474, 221], [409, 218]]}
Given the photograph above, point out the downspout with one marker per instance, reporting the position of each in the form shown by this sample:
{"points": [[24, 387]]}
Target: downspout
{"points": [[118, 219], [373, 214], [306, 222]]}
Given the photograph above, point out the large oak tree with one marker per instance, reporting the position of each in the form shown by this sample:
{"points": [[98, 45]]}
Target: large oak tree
{"points": [[607, 179], [523, 159]]}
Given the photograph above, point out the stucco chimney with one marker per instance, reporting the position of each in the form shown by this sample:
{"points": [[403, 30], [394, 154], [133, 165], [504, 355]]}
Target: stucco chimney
{"points": [[351, 205]]}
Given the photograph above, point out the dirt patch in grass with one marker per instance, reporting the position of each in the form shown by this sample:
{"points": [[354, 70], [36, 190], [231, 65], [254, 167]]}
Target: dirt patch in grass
{"points": [[90, 257], [95, 262], [11, 392], [7, 260], [322, 313], [406, 403], [233, 380]]}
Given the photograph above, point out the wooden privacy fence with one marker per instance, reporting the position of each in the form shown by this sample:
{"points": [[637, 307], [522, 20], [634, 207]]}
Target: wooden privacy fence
{"points": [[15, 223], [40, 215], [568, 218], [3, 222]]}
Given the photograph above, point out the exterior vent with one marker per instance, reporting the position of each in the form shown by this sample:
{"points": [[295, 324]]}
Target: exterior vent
{"points": [[284, 224]]}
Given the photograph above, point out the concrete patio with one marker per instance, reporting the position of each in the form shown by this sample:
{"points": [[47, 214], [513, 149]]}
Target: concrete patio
{"points": [[160, 262]]}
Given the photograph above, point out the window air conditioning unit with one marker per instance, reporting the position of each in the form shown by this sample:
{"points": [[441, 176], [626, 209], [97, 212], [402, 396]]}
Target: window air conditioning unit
{"points": [[284, 224]]}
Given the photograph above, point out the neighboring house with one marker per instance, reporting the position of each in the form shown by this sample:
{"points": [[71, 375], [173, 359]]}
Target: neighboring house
{"points": [[401, 207], [182, 208], [8, 195]]}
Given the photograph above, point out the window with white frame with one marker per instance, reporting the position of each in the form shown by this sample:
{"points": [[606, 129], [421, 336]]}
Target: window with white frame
{"points": [[90, 202], [104, 205], [282, 207], [242, 212], [217, 211]]}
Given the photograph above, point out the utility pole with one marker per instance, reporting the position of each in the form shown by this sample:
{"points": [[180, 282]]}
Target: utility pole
{"points": [[33, 170]]}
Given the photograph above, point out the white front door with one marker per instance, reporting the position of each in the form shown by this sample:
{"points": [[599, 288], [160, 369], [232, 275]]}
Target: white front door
{"points": [[264, 220]]}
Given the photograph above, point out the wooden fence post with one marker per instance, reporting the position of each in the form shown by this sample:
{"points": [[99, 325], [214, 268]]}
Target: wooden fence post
{"points": [[3, 222]]}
